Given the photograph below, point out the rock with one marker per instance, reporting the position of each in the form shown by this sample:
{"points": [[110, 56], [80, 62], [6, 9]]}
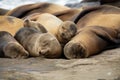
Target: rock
{"points": [[105, 66]]}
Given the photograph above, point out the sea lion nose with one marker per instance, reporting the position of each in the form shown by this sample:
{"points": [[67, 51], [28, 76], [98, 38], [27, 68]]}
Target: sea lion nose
{"points": [[44, 51]]}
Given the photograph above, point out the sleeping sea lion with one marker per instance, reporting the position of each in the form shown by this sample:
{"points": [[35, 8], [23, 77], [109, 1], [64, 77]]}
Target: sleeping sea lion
{"points": [[9, 47], [63, 31], [28, 9], [10, 24], [98, 28], [38, 43]]}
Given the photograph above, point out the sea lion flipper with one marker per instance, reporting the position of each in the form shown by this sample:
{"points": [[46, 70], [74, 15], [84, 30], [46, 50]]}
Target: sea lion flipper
{"points": [[108, 35]]}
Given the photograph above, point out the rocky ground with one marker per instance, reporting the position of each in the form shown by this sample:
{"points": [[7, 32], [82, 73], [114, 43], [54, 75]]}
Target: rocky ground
{"points": [[105, 66]]}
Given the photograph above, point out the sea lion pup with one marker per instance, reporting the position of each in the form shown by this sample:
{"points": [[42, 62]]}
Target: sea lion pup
{"points": [[63, 31], [10, 24], [9, 47], [98, 29], [28, 9], [38, 43]]}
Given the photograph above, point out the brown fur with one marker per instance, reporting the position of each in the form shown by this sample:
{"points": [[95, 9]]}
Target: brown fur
{"points": [[63, 15], [63, 31], [10, 24], [97, 30], [9, 47], [28, 9], [67, 14], [34, 10]]}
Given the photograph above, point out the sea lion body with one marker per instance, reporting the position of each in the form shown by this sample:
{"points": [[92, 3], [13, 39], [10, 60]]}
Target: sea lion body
{"points": [[97, 30], [9, 47], [50, 22]]}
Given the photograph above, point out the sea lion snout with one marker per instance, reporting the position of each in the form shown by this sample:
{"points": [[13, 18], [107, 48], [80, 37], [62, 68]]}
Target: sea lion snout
{"points": [[74, 50]]}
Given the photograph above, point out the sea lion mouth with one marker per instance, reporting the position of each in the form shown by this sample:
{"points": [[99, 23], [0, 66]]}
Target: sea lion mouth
{"points": [[44, 52], [74, 50]]}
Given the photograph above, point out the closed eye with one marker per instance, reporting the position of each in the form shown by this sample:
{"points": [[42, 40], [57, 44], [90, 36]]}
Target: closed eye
{"points": [[45, 43]]}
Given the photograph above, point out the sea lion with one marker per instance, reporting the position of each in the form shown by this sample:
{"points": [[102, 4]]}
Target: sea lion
{"points": [[38, 43], [28, 9], [63, 31], [98, 28], [9, 47], [10, 24]]}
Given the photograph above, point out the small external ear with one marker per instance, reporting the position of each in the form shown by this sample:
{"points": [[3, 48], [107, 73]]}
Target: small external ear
{"points": [[42, 28], [26, 23]]}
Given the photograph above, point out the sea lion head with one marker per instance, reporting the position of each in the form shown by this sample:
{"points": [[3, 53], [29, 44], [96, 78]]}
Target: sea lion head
{"points": [[66, 31], [74, 50], [49, 46]]}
